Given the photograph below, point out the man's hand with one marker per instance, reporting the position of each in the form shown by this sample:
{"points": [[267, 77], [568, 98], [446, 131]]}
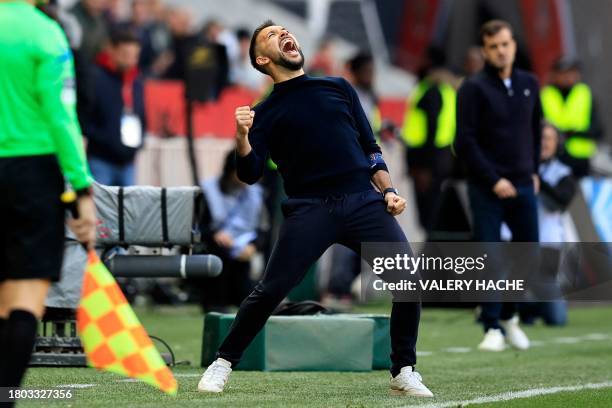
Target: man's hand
{"points": [[536, 183], [84, 227], [223, 239], [247, 253], [244, 122], [395, 204], [504, 189]]}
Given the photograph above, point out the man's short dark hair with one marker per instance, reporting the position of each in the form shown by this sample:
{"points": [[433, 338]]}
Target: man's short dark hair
{"points": [[243, 34], [491, 28], [566, 63], [253, 45], [359, 61], [123, 36]]}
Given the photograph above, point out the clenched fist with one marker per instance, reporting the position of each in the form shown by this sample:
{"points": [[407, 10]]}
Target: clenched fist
{"points": [[395, 204], [244, 121]]}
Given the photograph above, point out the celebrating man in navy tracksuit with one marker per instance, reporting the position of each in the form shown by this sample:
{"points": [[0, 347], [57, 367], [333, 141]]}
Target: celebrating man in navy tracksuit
{"points": [[317, 133]]}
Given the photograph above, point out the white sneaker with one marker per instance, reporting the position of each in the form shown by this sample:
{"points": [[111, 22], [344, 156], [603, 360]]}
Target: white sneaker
{"points": [[408, 382], [493, 341], [514, 334], [215, 377]]}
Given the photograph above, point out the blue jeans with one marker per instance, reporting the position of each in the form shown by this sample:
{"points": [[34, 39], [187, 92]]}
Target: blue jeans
{"points": [[553, 313], [111, 174], [488, 213]]}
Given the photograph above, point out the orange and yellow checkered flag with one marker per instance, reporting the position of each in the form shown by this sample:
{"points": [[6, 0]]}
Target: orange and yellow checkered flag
{"points": [[111, 334]]}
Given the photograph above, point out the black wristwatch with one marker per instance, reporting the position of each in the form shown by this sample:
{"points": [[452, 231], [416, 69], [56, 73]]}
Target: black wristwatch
{"points": [[390, 190]]}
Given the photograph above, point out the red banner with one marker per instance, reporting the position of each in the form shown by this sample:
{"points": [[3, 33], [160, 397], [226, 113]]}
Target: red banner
{"points": [[165, 106], [541, 19], [418, 25]]}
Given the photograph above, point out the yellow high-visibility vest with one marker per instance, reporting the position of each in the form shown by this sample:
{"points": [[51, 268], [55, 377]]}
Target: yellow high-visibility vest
{"points": [[375, 120], [571, 115], [414, 130]]}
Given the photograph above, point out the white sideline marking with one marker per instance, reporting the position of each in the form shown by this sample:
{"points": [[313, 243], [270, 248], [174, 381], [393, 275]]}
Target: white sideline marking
{"points": [[567, 340], [457, 349], [424, 353], [134, 380], [595, 336], [507, 396], [76, 386], [539, 343]]}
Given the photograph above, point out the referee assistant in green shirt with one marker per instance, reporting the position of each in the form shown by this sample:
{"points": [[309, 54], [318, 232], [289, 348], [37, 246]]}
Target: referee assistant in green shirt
{"points": [[40, 144]]}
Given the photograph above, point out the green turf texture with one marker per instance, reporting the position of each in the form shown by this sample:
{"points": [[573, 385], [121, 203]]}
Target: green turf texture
{"points": [[451, 376]]}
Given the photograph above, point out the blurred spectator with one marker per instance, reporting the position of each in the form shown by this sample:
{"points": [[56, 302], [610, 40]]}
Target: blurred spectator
{"points": [[154, 37], [140, 17], [87, 32], [114, 126], [324, 60], [216, 33], [345, 266], [115, 12], [428, 132], [196, 55], [225, 47], [157, 9], [557, 189], [362, 72], [242, 72], [67, 21], [90, 15], [183, 40], [234, 212], [473, 62], [568, 104]]}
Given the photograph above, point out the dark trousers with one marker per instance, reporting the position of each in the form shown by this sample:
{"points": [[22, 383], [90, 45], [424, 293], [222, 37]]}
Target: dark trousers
{"points": [[311, 226], [488, 213]]}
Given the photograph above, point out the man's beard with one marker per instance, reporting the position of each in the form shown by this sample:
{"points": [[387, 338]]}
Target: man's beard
{"points": [[289, 64], [497, 67], [500, 66]]}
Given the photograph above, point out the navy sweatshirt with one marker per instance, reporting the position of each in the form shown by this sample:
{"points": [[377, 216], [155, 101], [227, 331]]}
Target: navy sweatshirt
{"points": [[102, 121], [499, 129], [319, 136]]}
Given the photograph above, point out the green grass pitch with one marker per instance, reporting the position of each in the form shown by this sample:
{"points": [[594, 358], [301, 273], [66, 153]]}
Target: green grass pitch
{"points": [[572, 358]]}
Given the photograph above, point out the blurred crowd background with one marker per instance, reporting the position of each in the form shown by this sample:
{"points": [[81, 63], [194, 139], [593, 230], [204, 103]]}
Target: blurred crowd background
{"points": [[179, 68]]}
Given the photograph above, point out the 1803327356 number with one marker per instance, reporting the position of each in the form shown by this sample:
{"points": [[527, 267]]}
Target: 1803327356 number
{"points": [[8, 394]]}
